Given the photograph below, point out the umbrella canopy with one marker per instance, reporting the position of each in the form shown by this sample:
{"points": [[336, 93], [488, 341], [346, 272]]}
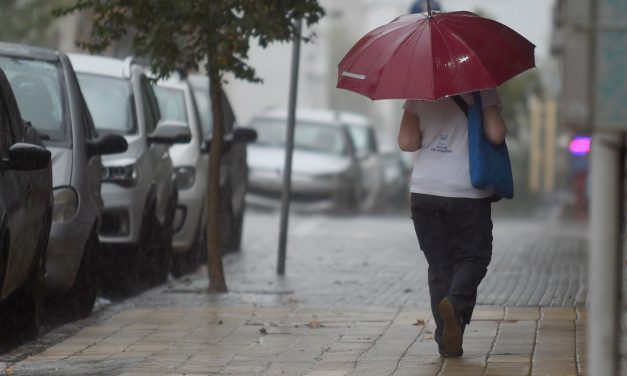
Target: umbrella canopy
{"points": [[429, 57]]}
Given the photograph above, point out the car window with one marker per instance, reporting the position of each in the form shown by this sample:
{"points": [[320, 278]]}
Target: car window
{"points": [[5, 127], [363, 139], [38, 92], [308, 136], [150, 105], [110, 102], [171, 103], [203, 104], [229, 116], [88, 123]]}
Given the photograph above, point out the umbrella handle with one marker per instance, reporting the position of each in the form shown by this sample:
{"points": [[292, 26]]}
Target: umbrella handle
{"points": [[429, 8]]}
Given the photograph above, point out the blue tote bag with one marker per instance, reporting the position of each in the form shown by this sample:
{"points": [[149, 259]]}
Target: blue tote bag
{"points": [[490, 167]]}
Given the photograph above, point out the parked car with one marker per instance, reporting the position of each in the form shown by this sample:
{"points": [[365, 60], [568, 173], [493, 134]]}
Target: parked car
{"points": [[48, 95], [397, 174], [326, 175], [25, 214], [370, 160], [234, 166], [138, 189]]}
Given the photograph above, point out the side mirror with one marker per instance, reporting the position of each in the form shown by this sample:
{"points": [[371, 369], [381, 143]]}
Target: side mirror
{"points": [[107, 144], [171, 132], [28, 157], [239, 135], [243, 134]]}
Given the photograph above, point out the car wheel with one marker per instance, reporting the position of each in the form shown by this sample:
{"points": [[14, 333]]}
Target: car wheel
{"points": [[226, 219], [351, 201], [186, 262], [30, 303], [125, 267], [236, 230], [152, 250], [79, 300], [163, 265]]}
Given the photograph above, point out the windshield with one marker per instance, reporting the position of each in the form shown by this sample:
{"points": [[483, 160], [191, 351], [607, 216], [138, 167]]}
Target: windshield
{"points": [[203, 104], [171, 103], [361, 139], [307, 136], [37, 88], [110, 102]]}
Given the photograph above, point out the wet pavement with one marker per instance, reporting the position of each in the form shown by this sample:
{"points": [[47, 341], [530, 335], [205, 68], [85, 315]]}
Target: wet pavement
{"points": [[353, 301]]}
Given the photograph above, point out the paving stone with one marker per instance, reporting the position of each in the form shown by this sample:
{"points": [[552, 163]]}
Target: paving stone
{"points": [[353, 302]]}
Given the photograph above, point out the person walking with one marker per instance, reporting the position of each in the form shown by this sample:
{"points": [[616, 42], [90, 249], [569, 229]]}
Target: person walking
{"points": [[452, 219]]}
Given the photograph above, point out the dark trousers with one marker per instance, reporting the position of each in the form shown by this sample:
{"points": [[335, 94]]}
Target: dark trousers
{"points": [[455, 234]]}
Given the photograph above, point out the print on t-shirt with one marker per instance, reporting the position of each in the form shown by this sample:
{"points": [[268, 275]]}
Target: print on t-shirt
{"points": [[441, 145]]}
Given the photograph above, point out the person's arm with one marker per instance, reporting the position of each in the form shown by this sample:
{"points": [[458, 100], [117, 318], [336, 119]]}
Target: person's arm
{"points": [[409, 137], [494, 125]]}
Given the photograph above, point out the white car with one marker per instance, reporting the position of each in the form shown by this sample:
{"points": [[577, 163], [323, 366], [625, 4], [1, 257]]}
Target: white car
{"points": [[138, 190], [180, 101], [370, 160], [326, 175]]}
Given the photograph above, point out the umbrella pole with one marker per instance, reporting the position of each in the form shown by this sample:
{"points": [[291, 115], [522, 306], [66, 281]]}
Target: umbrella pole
{"points": [[429, 8]]}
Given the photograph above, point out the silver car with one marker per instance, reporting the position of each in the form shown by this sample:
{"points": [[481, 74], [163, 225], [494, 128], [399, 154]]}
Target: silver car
{"points": [[48, 95], [191, 165], [325, 170], [25, 211], [370, 160], [138, 190], [181, 101]]}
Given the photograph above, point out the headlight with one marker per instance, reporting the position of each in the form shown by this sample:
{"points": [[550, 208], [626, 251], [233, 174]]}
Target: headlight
{"points": [[185, 177], [123, 175], [65, 204]]}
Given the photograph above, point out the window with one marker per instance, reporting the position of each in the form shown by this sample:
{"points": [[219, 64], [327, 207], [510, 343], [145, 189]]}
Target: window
{"points": [[171, 103], [308, 136], [203, 104], [38, 92], [5, 127], [150, 105], [363, 139], [110, 102]]}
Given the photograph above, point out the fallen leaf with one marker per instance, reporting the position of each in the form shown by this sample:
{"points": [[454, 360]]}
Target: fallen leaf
{"points": [[314, 324], [419, 322]]}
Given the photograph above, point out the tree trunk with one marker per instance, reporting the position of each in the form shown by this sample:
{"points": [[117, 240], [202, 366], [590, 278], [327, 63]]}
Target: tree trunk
{"points": [[217, 283]]}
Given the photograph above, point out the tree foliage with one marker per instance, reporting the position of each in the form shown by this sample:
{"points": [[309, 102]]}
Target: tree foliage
{"points": [[29, 21], [182, 34], [214, 34]]}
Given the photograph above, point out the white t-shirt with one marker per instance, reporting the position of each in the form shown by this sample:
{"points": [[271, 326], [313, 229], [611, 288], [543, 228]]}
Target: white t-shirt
{"points": [[441, 166]]}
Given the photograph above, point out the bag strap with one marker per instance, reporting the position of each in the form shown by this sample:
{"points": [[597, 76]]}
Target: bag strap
{"points": [[461, 103]]}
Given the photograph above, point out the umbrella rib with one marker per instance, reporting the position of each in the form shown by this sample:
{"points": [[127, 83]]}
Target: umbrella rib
{"points": [[374, 36], [470, 50], [410, 34]]}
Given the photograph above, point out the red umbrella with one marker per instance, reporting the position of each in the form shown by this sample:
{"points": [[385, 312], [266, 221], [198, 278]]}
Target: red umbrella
{"points": [[431, 56]]}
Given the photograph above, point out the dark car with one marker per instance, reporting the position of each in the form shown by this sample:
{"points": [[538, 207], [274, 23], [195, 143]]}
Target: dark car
{"points": [[49, 97], [25, 213]]}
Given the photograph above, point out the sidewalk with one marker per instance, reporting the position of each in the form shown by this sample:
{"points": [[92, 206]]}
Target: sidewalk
{"points": [[292, 340], [354, 301]]}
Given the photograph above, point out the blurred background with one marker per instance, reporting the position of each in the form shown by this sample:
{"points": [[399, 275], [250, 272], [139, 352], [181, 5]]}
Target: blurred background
{"points": [[548, 134]]}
